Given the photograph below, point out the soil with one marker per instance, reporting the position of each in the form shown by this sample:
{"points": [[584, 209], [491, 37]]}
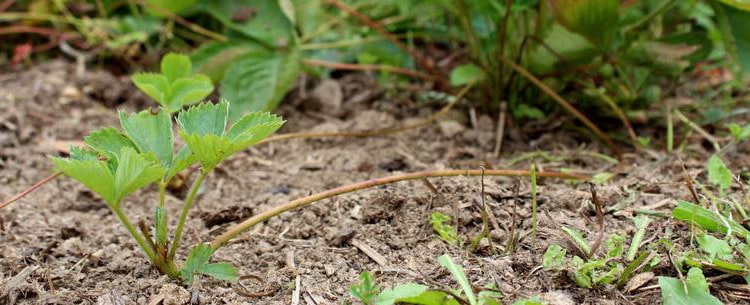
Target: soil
{"points": [[61, 245]]}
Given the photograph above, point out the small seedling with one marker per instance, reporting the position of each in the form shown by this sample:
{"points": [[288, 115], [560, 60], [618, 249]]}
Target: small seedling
{"points": [[739, 133], [175, 86], [366, 291], [411, 293], [694, 290], [591, 272], [120, 162], [441, 225]]}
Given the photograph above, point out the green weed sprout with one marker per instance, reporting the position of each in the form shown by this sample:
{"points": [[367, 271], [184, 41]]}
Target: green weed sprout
{"points": [[119, 162], [369, 293]]}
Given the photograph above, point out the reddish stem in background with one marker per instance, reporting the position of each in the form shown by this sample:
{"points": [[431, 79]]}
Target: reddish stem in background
{"points": [[420, 59], [30, 189], [6, 4], [368, 67]]}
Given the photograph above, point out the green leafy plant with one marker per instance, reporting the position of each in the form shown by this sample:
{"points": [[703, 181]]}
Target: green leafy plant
{"points": [[441, 225], [366, 291], [592, 271], [410, 293], [175, 86], [719, 174], [119, 162], [694, 290]]}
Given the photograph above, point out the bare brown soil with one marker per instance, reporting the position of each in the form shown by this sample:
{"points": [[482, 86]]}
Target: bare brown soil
{"points": [[61, 245]]}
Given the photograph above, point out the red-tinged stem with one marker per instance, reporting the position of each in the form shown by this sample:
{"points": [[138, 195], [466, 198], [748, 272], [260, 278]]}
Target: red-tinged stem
{"points": [[562, 102], [419, 58], [29, 190], [368, 67], [237, 229]]}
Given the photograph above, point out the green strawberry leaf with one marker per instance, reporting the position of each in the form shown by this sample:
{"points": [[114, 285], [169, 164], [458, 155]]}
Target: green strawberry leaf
{"points": [[181, 161], [204, 119], [174, 87], [188, 91], [197, 263], [198, 257], [253, 127], [135, 171], [151, 133], [108, 142], [154, 85], [80, 154], [93, 173], [175, 66], [209, 150], [220, 271], [258, 81]]}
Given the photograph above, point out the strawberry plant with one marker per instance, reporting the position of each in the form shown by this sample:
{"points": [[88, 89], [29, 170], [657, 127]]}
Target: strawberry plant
{"points": [[117, 162]]}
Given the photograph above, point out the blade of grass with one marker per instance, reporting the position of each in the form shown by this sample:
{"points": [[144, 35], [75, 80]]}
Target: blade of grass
{"points": [[641, 224]]}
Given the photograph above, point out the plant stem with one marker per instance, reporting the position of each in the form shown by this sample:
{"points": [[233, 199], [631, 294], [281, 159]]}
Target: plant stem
{"points": [[339, 44], [29, 190], [664, 5], [134, 232], [162, 193], [418, 57], [161, 219], [698, 129], [237, 229], [670, 126], [533, 201], [562, 102], [368, 67], [185, 209], [621, 115], [182, 21]]}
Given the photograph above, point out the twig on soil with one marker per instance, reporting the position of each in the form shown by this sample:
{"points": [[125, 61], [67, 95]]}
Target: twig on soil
{"points": [[370, 252], [237, 229], [297, 279], [244, 291], [500, 131], [533, 200], [29, 190], [599, 219], [512, 242], [689, 183], [621, 115], [485, 232]]}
